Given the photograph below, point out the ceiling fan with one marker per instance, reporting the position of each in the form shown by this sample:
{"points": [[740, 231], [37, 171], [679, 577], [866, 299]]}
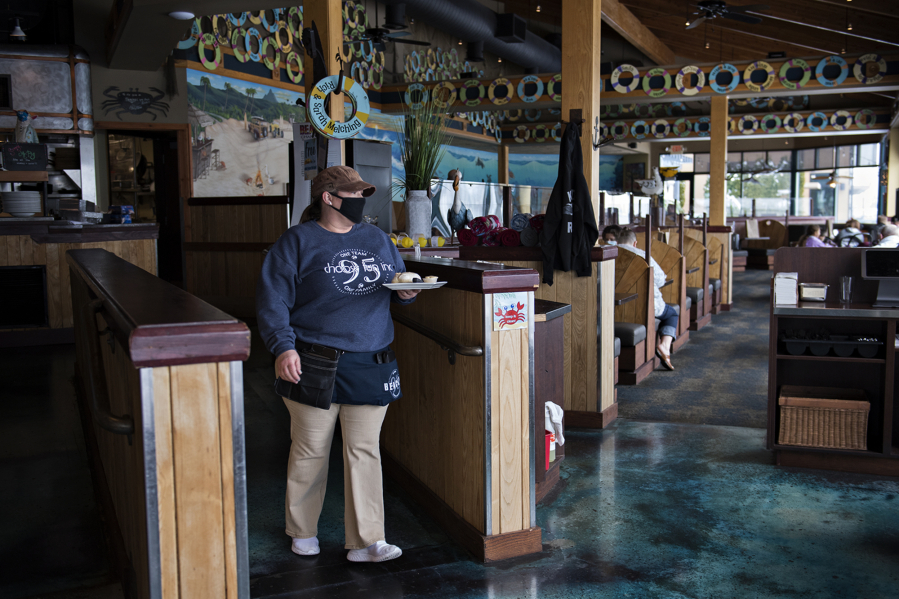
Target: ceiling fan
{"points": [[379, 36], [712, 9]]}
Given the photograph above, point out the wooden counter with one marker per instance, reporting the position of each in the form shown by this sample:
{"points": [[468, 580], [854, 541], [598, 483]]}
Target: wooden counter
{"points": [[589, 362], [460, 440], [38, 242], [169, 467]]}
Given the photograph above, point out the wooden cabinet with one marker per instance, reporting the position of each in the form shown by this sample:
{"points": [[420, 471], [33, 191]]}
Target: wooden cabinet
{"points": [[549, 382]]}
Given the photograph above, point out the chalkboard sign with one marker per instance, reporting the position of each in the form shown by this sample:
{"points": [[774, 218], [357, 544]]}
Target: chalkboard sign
{"points": [[24, 157]]}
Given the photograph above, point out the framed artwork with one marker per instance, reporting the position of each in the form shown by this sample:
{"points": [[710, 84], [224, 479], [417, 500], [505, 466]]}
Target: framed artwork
{"points": [[633, 172]]}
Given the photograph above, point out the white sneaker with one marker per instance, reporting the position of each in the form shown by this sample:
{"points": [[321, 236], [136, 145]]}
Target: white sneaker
{"points": [[379, 552], [305, 546]]}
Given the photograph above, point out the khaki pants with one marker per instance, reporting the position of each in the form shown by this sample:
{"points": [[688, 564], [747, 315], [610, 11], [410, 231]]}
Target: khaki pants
{"points": [[311, 432]]}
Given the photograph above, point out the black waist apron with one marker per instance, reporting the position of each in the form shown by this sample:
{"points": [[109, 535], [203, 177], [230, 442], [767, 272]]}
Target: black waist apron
{"points": [[367, 378]]}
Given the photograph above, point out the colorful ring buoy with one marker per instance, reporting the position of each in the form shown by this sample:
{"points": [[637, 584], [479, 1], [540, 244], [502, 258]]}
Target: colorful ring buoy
{"points": [[207, 39], [682, 127], [603, 131], [359, 73], [619, 130], [753, 124], [238, 21], [370, 55], [604, 111], [780, 104], [836, 60], [859, 69], [657, 92], [431, 58], [643, 110], [765, 120], [731, 125], [298, 76], [820, 116], [415, 61], [273, 26], [295, 31], [797, 120], [254, 18], [644, 129], [862, 118], [254, 56], [554, 81], [836, 116], [454, 59], [501, 82], [724, 89], [521, 134], [630, 69], [221, 38], [430, 75], [379, 70], [540, 133], [272, 65], [795, 63], [665, 129], [423, 96], [682, 76], [672, 106], [315, 108], [241, 56], [557, 132], [510, 117], [464, 92], [498, 135], [285, 48], [703, 120], [450, 95], [532, 117], [530, 97], [439, 55], [191, 41], [756, 66]]}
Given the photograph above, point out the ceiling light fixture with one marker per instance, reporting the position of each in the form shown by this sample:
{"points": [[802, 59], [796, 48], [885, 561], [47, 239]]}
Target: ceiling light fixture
{"points": [[849, 28], [17, 31], [687, 23], [460, 42], [538, 8], [499, 59], [181, 15], [706, 45]]}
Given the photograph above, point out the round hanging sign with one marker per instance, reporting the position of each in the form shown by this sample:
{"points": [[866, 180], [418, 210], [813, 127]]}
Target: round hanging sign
{"points": [[683, 76], [323, 123], [860, 66], [767, 127], [619, 130], [756, 66], [682, 127], [632, 70], [491, 91], [521, 134], [422, 98], [658, 92], [698, 127], [798, 63], [446, 98], [551, 87], [660, 129], [750, 120], [469, 85], [835, 120], [642, 127], [530, 79], [844, 71], [793, 122], [724, 89], [814, 118], [865, 118]]}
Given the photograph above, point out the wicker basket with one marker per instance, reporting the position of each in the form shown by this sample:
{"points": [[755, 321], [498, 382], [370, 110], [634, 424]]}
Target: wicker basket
{"points": [[823, 417]]}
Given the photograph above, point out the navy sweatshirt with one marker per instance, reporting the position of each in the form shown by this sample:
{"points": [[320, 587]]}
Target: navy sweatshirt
{"points": [[323, 287]]}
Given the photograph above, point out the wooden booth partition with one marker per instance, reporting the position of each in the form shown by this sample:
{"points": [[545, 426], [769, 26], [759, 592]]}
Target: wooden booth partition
{"points": [[224, 243], [460, 439], [589, 362], [160, 381], [675, 290], [697, 259], [721, 262], [634, 276]]}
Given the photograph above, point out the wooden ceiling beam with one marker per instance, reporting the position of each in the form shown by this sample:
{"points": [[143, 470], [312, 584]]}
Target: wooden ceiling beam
{"points": [[619, 18], [872, 7], [828, 29]]}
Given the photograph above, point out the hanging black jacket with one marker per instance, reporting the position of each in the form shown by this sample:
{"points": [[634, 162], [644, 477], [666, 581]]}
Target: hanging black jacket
{"points": [[569, 230]]}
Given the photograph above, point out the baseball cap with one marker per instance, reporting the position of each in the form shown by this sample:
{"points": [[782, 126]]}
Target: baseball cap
{"points": [[340, 178]]}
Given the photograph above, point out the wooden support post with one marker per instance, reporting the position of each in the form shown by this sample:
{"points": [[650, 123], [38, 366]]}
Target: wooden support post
{"points": [[328, 18], [705, 229], [650, 344], [503, 166], [630, 216], [602, 210], [718, 160], [581, 57], [754, 208], [507, 206]]}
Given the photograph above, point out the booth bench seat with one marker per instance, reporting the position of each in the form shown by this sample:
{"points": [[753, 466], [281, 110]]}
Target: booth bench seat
{"points": [[740, 257]]}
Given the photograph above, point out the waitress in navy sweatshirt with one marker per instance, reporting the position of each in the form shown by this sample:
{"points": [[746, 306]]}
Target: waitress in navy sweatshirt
{"points": [[321, 290]]}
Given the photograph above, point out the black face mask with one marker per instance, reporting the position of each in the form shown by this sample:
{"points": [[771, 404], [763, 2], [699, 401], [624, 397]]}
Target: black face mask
{"points": [[352, 208]]}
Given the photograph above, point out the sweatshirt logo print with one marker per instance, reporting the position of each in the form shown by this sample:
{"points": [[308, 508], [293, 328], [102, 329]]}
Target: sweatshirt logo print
{"points": [[357, 272]]}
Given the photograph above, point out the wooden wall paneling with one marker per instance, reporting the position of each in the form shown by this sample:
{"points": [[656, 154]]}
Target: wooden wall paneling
{"points": [[12, 249], [165, 483], [565, 289], [527, 427], [198, 480], [229, 513], [26, 250], [4, 254], [65, 284], [591, 374], [495, 407], [606, 305], [507, 356]]}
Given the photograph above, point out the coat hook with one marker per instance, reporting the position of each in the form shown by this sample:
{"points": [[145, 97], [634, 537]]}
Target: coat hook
{"points": [[597, 136]]}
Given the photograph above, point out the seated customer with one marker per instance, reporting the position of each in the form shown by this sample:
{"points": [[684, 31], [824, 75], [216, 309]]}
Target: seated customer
{"points": [[610, 234], [813, 238], [851, 236], [889, 237], [666, 314]]}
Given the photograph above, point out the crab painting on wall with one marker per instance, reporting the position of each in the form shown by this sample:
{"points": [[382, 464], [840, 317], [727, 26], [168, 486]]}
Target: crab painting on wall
{"points": [[133, 101]]}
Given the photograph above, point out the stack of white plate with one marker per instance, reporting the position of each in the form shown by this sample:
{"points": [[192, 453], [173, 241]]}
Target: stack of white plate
{"points": [[21, 203]]}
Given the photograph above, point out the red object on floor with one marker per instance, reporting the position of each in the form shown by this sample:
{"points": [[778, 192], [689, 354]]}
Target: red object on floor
{"points": [[547, 436]]}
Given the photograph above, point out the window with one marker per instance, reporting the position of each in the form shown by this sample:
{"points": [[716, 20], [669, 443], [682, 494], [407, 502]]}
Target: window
{"points": [[805, 159], [869, 155], [824, 158], [701, 163], [846, 156]]}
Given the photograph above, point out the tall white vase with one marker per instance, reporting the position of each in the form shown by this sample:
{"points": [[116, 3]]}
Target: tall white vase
{"points": [[418, 214]]}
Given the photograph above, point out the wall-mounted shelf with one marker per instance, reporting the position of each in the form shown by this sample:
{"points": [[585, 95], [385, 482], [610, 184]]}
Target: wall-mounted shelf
{"points": [[23, 176]]}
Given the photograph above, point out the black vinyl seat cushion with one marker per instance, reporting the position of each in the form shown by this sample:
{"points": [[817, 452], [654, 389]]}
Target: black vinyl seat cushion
{"points": [[740, 253], [617, 347], [695, 294], [689, 303], [755, 252], [630, 334], [716, 284]]}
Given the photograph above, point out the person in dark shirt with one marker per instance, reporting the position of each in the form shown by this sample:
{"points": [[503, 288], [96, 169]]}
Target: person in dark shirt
{"points": [[321, 290]]}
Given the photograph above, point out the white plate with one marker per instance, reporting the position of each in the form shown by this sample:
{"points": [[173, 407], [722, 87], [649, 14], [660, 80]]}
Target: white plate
{"points": [[414, 286]]}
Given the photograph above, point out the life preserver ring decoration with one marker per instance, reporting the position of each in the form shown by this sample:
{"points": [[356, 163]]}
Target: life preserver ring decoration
{"points": [[756, 66], [682, 127], [415, 61], [835, 120], [498, 83], [445, 99], [295, 30], [359, 73], [660, 129], [683, 76], [542, 130], [191, 41], [239, 47], [253, 32], [221, 38], [298, 76], [530, 97], [619, 130], [633, 72], [640, 126], [813, 121], [532, 115], [769, 128], [657, 92], [793, 122], [465, 96], [238, 21], [731, 125], [604, 111], [724, 89], [703, 126], [643, 110], [835, 60], [557, 132], [207, 39], [680, 107], [554, 82], [751, 121], [860, 66], [272, 65], [320, 119], [514, 115], [422, 98], [521, 134], [865, 118], [284, 47], [795, 63]]}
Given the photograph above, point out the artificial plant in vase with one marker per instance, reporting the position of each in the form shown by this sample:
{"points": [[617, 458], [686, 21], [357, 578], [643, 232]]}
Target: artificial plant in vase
{"points": [[423, 136]]}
